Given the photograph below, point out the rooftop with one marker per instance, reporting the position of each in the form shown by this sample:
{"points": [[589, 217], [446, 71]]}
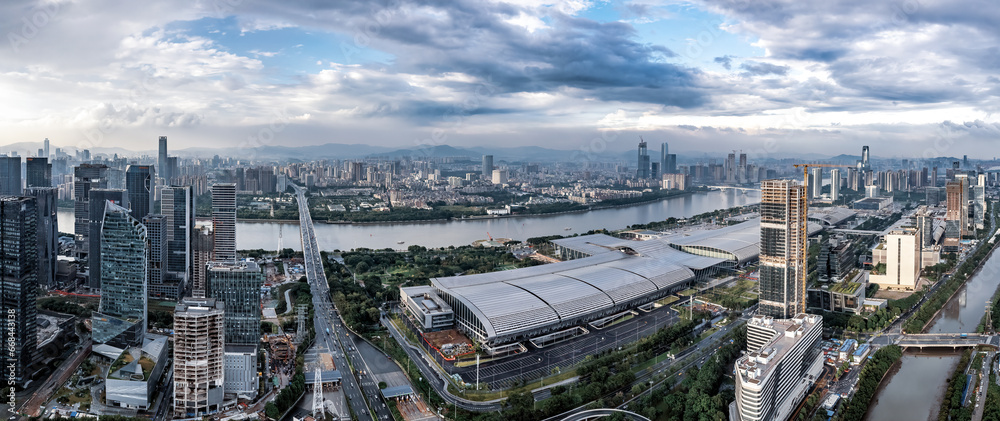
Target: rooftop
{"points": [[756, 366]]}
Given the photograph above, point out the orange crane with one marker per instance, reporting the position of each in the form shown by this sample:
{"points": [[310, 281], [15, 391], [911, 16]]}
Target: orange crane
{"points": [[804, 227]]}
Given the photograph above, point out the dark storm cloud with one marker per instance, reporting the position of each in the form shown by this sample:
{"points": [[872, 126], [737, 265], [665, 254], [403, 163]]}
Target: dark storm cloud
{"points": [[726, 61]]}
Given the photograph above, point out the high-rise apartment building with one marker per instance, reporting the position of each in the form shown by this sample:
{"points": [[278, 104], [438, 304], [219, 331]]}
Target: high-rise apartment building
{"points": [[139, 183], [199, 346], [499, 177], [121, 317], [783, 361], [85, 178], [178, 206], [487, 166], [10, 175], [783, 236], [224, 221], [38, 172], [238, 285], [47, 221], [730, 168], [19, 284]]}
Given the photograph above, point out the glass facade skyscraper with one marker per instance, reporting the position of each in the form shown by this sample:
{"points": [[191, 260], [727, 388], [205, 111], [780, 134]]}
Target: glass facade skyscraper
{"points": [[139, 184], [98, 197], [177, 205], [121, 317], [10, 175], [19, 282], [238, 285], [46, 201], [38, 172], [224, 221]]}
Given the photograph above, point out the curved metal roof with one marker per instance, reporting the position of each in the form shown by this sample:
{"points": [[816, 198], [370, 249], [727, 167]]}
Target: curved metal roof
{"points": [[567, 296], [504, 308], [620, 285]]}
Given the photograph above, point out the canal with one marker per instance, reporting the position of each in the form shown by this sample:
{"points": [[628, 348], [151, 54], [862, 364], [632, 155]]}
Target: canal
{"points": [[915, 389], [271, 235]]}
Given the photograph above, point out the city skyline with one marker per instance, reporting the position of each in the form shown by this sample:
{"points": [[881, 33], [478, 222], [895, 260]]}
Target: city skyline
{"points": [[408, 73]]}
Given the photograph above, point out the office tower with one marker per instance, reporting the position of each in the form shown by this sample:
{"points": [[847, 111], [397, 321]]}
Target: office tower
{"points": [[902, 261], [671, 164], [177, 205], [19, 284], [139, 184], [731, 168], [85, 178], [487, 166], [835, 184], [202, 244], [925, 226], [173, 169], [499, 177], [10, 175], [642, 171], [238, 285], [816, 182], [98, 197], [782, 248], [38, 172], [742, 168], [865, 163], [161, 161], [156, 259], [654, 170], [224, 222], [934, 176], [47, 222], [199, 346], [664, 160], [783, 360], [957, 200], [45, 149], [121, 317]]}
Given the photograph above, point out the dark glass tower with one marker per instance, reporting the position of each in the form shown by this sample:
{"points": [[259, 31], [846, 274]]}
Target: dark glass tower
{"points": [[10, 175], [98, 199], [38, 172], [139, 184], [19, 283]]}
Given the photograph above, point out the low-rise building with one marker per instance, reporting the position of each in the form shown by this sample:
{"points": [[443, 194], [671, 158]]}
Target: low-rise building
{"points": [[133, 376], [427, 309]]}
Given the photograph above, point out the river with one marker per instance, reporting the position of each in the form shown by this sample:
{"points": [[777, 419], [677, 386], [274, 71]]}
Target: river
{"points": [[915, 390], [271, 235]]}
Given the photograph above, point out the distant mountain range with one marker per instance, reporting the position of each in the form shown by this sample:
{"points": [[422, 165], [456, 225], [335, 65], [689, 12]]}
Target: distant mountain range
{"points": [[352, 151]]}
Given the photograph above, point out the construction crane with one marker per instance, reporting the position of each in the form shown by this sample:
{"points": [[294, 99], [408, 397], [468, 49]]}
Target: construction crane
{"points": [[804, 227]]}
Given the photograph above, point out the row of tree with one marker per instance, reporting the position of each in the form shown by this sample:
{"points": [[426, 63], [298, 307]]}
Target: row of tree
{"points": [[952, 407], [871, 376]]}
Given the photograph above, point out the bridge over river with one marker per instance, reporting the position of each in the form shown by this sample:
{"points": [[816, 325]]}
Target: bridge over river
{"points": [[941, 340]]}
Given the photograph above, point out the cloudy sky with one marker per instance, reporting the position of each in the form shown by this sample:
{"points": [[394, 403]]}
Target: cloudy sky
{"points": [[909, 77]]}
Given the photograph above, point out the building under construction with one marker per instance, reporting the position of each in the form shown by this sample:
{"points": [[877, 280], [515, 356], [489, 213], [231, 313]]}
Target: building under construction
{"points": [[198, 357], [782, 248], [281, 348]]}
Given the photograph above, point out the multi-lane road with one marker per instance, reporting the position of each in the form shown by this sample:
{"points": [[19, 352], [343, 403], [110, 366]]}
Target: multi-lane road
{"points": [[363, 394]]}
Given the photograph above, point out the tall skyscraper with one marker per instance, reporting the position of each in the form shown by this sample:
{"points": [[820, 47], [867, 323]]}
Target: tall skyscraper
{"points": [[741, 169], [38, 172], [238, 285], [816, 182], [487, 166], [957, 200], [202, 245], [10, 175], [199, 345], [85, 178], [98, 199], [45, 149], [664, 159], [19, 284], [122, 314], [782, 248], [642, 168], [156, 260], [731, 168], [835, 184], [46, 201], [177, 204], [865, 163], [161, 161], [224, 221], [139, 183], [173, 170]]}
